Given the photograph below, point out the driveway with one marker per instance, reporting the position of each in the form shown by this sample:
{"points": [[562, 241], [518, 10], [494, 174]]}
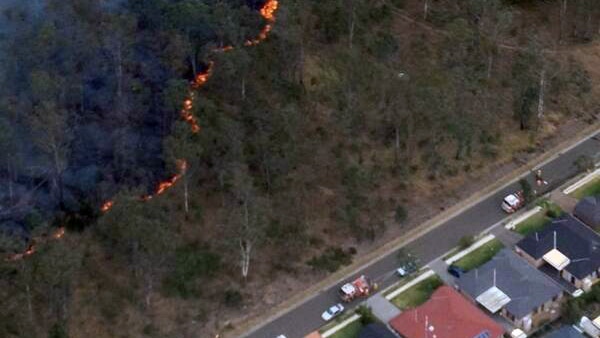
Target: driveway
{"points": [[382, 308]]}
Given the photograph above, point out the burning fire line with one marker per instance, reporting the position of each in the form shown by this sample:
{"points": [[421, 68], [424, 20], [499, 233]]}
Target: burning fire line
{"points": [[268, 13], [31, 248]]}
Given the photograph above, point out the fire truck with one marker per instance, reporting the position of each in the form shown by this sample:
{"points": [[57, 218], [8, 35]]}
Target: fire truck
{"points": [[360, 287]]}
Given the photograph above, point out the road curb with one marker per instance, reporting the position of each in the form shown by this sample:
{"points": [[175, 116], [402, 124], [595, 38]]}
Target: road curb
{"points": [[418, 231]]}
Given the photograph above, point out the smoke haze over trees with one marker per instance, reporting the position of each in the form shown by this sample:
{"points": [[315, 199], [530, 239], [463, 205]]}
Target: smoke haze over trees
{"points": [[314, 141]]}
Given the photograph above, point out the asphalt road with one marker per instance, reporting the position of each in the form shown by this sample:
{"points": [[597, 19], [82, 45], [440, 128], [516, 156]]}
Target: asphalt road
{"points": [[307, 317]]}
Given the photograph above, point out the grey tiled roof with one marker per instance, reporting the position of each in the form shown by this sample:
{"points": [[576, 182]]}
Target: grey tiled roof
{"points": [[574, 239], [588, 211], [527, 287], [375, 330], [565, 332]]}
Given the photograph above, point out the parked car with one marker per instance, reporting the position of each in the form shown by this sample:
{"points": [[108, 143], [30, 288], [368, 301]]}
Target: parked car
{"points": [[281, 336], [406, 269], [332, 312], [513, 202], [456, 271]]}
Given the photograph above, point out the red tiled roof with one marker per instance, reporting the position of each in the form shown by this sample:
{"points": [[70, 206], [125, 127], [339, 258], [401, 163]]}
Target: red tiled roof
{"points": [[451, 316]]}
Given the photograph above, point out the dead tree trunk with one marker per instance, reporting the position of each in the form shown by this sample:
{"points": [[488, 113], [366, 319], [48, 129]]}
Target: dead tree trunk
{"points": [[246, 249], [186, 204], [352, 24], [243, 88], [397, 145], [563, 19], [490, 65], [245, 243], [541, 94]]}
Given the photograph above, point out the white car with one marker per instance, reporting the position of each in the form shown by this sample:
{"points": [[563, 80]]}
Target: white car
{"points": [[281, 336], [332, 312]]}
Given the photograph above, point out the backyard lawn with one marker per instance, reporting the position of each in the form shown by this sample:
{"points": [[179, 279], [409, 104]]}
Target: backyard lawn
{"points": [[481, 255], [418, 294], [589, 189], [349, 331]]}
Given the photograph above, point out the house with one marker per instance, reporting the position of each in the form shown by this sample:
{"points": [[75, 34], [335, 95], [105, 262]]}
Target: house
{"points": [[565, 332], [507, 285], [375, 330], [568, 247], [447, 314], [588, 211]]}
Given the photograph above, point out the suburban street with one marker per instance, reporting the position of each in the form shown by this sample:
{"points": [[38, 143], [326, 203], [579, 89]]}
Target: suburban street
{"points": [[306, 318]]}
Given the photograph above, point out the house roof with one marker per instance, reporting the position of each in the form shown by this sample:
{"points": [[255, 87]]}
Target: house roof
{"points": [[525, 286], [588, 211], [565, 332], [375, 330], [580, 244], [446, 312]]}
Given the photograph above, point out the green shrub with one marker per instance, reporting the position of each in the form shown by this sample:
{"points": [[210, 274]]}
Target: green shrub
{"points": [[401, 214], [149, 330], [527, 190], [330, 260], [58, 331], [466, 241], [232, 298], [366, 315], [553, 213], [584, 163], [191, 262], [399, 3]]}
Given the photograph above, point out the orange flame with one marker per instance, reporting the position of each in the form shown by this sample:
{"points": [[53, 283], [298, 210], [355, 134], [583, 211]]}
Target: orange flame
{"points": [[106, 206], [164, 185], [59, 233], [223, 49], [202, 77], [31, 248], [268, 10]]}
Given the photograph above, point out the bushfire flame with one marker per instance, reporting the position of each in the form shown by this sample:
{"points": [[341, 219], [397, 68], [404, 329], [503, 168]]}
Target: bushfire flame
{"points": [[106, 206], [163, 186], [31, 248], [267, 11]]}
